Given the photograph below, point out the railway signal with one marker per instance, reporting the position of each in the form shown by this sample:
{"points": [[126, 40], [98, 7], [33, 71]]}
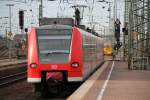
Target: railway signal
{"points": [[21, 22], [26, 31], [21, 19]]}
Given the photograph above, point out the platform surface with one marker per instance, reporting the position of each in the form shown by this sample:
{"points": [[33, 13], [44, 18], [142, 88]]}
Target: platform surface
{"points": [[123, 84], [127, 84]]}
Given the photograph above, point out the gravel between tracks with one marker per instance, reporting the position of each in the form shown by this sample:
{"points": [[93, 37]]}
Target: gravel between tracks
{"points": [[20, 91], [24, 91], [17, 91]]}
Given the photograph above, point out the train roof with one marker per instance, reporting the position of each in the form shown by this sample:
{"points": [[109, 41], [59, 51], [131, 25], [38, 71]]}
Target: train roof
{"points": [[55, 26], [58, 26]]}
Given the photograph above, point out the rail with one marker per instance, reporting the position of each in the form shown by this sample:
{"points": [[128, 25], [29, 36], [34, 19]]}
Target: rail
{"points": [[12, 63], [6, 80]]}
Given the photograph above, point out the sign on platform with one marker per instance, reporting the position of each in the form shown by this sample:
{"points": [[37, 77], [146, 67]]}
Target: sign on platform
{"points": [[10, 35]]}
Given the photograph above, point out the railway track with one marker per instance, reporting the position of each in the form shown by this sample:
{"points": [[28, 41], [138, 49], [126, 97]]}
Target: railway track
{"points": [[11, 65], [7, 80], [12, 72], [6, 57], [4, 53]]}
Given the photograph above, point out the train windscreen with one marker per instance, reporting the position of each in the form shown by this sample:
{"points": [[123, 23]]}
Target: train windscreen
{"points": [[54, 45]]}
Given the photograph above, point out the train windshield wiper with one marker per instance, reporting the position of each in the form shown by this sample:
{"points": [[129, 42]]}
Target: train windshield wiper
{"points": [[57, 52]]}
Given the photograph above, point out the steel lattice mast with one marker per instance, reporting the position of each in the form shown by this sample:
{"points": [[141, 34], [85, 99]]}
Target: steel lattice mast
{"points": [[126, 24], [137, 13]]}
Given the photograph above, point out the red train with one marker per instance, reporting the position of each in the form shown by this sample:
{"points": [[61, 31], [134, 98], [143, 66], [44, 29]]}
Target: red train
{"points": [[61, 54]]}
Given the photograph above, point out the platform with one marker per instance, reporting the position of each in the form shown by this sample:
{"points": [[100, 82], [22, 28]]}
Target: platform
{"points": [[127, 84], [118, 84]]}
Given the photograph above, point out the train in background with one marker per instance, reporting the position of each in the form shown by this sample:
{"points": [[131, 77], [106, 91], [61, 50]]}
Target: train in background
{"points": [[108, 48], [61, 54]]}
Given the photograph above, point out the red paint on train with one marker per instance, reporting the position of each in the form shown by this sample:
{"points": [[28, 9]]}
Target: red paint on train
{"points": [[78, 72]]}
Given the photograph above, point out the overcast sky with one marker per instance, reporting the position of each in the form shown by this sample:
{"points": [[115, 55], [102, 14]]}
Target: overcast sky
{"points": [[56, 9]]}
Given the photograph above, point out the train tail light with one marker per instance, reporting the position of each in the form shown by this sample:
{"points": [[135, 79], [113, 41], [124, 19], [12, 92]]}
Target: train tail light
{"points": [[75, 64], [33, 65]]}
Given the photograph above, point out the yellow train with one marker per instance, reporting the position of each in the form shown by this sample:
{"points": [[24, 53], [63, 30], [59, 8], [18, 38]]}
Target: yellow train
{"points": [[108, 50]]}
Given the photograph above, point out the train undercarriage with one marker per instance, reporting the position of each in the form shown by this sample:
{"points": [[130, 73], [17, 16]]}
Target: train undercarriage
{"points": [[51, 86]]}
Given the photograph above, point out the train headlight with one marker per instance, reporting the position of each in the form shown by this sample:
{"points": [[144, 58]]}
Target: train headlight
{"points": [[75, 64], [33, 65]]}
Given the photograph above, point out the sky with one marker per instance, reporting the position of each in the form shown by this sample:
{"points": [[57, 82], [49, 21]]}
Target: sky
{"points": [[94, 12]]}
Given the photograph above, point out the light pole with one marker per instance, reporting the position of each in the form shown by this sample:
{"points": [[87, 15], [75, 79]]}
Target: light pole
{"points": [[10, 33], [6, 23], [104, 31], [40, 11]]}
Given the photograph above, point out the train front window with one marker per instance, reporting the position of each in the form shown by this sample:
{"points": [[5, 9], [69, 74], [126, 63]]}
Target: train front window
{"points": [[54, 45]]}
